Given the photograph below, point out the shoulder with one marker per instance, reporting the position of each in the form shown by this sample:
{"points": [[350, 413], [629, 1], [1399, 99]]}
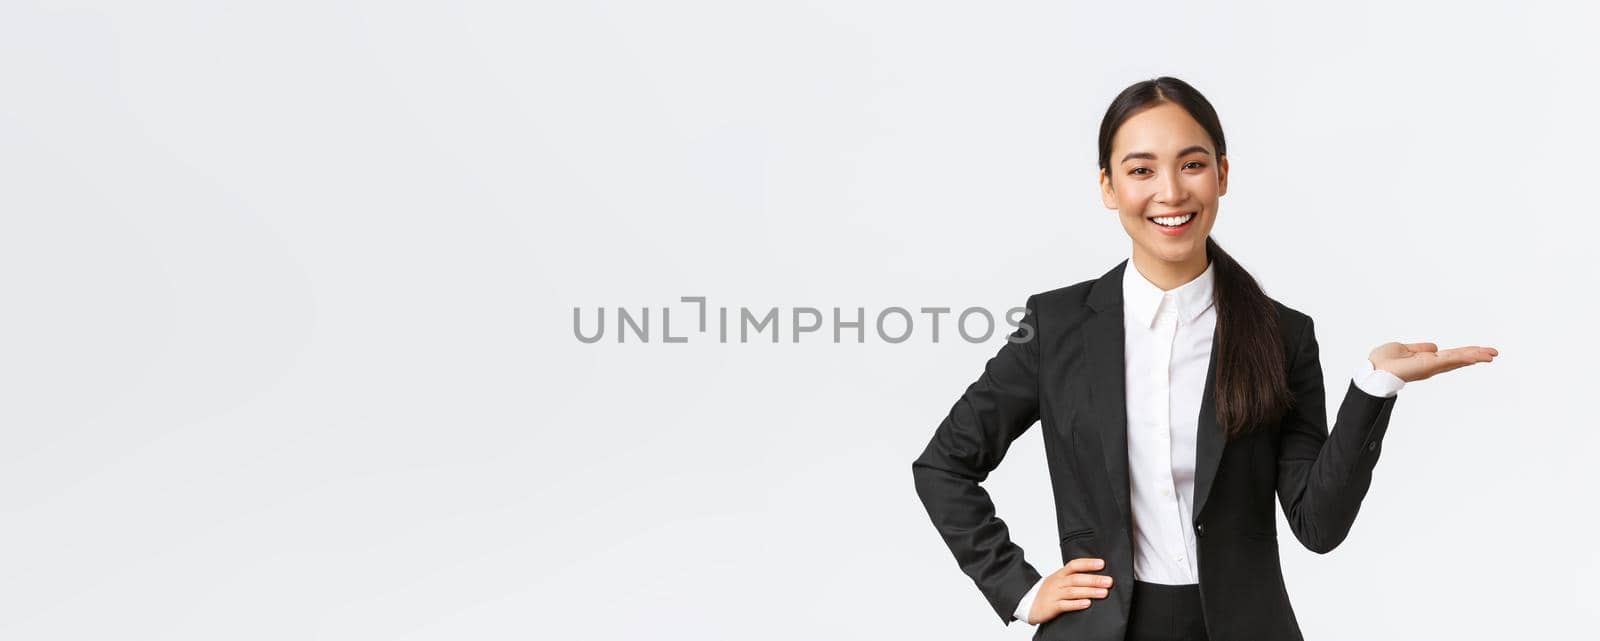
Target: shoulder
{"points": [[1061, 311], [1062, 301], [1289, 316], [1294, 326]]}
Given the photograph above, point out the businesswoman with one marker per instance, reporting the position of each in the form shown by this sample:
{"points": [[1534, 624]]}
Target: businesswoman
{"points": [[1176, 398]]}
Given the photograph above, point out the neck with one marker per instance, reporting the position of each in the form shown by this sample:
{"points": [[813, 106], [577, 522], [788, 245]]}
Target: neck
{"points": [[1168, 275]]}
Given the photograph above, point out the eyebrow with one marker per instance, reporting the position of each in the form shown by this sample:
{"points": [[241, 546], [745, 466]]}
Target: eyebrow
{"points": [[1150, 156]]}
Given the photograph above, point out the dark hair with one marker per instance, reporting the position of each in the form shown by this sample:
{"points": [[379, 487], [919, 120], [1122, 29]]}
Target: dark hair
{"points": [[1252, 387]]}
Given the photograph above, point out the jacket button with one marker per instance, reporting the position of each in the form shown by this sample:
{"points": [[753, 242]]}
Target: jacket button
{"points": [[1372, 446], [1200, 529]]}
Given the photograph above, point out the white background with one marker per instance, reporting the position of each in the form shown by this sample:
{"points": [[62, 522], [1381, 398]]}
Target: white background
{"points": [[288, 292]]}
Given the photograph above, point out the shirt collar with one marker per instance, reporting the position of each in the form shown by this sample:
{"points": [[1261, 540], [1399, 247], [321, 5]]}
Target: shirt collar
{"points": [[1143, 299]]}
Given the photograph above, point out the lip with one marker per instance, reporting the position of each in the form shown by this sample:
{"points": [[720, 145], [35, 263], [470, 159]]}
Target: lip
{"points": [[1174, 231]]}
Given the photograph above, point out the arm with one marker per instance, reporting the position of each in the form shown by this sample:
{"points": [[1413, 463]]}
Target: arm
{"points": [[1322, 478], [969, 443]]}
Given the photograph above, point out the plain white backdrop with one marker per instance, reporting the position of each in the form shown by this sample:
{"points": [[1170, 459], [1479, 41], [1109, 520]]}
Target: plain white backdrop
{"points": [[288, 292]]}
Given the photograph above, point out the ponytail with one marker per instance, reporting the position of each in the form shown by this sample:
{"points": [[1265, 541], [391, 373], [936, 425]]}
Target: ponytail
{"points": [[1252, 386]]}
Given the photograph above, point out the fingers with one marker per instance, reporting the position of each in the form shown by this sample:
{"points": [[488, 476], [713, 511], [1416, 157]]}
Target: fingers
{"points": [[1457, 358], [1477, 352], [1076, 592], [1469, 355], [1072, 588], [1088, 581], [1084, 564]]}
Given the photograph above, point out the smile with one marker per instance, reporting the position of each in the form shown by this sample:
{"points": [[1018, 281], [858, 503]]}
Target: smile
{"points": [[1173, 225]]}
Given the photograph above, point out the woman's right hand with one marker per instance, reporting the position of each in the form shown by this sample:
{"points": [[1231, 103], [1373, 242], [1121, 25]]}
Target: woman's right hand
{"points": [[1068, 589]]}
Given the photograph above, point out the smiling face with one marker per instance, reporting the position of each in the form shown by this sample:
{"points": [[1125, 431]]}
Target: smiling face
{"points": [[1164, 164]]}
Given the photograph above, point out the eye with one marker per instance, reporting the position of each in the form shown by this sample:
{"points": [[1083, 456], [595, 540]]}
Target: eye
{"points": [[1196, 163], [1136, 171]]}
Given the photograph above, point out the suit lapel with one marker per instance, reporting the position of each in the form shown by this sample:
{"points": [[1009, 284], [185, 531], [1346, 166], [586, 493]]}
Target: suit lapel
{"points": [[1210, 441], [1103, 337], [1104, 346]]}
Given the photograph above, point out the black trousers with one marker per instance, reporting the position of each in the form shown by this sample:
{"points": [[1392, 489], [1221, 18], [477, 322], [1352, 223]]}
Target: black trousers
{"points": [[1166, 613]]}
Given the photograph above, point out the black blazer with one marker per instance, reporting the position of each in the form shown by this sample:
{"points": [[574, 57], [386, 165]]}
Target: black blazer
{"points": [[1069, 378]]}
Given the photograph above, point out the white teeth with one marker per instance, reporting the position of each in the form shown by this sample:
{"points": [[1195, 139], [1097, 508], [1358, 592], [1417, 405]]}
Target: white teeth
{"points": [[1173, 221]]}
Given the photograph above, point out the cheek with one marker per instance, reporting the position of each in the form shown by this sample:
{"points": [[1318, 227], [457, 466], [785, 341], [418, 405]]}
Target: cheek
{"points": [[1203, 187], [1133, 198]]}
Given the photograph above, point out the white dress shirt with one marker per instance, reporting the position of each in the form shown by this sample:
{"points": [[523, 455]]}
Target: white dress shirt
{"points": [[1167, 349]]}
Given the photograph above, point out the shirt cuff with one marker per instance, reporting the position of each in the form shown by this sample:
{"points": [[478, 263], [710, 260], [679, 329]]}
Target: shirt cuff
{"points": [[1376, 382], [1026, 604]]}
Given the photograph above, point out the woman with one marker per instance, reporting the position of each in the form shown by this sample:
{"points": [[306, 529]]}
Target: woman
{"points": [[1176, 399]]}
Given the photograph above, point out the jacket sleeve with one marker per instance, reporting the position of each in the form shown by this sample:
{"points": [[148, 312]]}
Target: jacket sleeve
{"points": [[969, 443], [1321, 478]]}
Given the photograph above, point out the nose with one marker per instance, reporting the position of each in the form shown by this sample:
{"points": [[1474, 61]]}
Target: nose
{"points": [[1170, 191]]}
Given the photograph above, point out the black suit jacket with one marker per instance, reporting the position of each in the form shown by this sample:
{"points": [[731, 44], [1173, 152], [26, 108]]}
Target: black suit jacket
{"points": [[1069, 378]]}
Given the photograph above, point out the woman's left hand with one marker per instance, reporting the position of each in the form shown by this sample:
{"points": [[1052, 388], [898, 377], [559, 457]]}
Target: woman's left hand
{"points": [[1418, 361]]}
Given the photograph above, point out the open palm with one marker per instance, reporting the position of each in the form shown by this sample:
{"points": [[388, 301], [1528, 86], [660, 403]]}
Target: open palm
{"points": [[1419, 361]]}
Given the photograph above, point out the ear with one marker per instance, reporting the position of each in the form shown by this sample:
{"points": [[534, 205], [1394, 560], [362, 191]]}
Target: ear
{"points": [[1222, 175], [1108, 196]]}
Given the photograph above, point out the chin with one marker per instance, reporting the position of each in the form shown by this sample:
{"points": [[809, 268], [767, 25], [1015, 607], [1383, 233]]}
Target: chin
{"points": [[1166, 252], [1174, 258]]}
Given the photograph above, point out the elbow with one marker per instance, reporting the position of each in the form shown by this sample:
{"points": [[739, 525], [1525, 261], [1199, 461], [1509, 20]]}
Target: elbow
{"points": [[1320, 525], [1319, 542], [935, 464], [1317, 530], [924, 478], [926, 474], [939, 486]]}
